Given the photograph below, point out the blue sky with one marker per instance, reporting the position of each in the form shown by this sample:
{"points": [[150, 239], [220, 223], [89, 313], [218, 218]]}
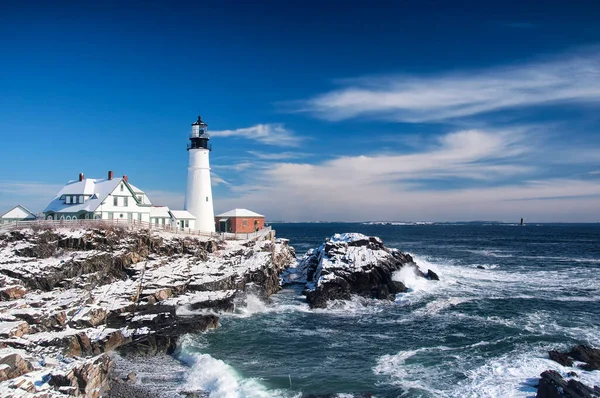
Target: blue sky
{"points": [[339, 111]]}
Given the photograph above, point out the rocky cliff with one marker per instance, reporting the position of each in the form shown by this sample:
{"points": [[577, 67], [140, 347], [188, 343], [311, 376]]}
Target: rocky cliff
{"points": [[69, 296]]}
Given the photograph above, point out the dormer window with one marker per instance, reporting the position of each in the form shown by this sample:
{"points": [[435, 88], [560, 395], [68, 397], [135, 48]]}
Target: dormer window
{"points": [[68, 199], [80, 198]]}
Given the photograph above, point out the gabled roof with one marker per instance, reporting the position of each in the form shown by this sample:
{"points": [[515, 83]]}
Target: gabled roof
{"points": [[239, 213], [182, 215], [89, 186], [135, 189], [159, 211], [17, 212]]}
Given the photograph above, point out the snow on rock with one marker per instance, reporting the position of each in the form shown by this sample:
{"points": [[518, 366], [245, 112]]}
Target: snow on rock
{"points": [[68, 296], [347, 264]]}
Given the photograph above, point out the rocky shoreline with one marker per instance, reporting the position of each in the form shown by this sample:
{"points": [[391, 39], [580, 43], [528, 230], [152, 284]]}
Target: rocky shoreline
{"points": [[79, 307], [70, 296]]}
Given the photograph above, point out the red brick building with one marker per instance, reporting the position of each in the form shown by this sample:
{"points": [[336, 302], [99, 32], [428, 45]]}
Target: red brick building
{"points": [[239, 221]]}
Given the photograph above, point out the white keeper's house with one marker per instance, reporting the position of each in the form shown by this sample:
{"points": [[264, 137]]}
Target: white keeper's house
{"points": [[112, 199]]}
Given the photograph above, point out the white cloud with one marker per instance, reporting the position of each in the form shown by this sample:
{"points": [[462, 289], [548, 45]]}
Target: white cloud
{"points": [[395, 186], [594, 172], [275, 134], [278, 155], [571, 78]]}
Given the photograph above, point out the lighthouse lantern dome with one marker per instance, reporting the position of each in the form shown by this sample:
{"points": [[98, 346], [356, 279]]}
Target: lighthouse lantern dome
{"points": [[199, 136], [199, 128]]}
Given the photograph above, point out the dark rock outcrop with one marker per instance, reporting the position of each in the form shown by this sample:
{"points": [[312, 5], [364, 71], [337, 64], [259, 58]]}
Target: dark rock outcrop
{"points": [[552, 385], [589, 355], [353, 264], [432, 275], [582, 353], [560, 357]]}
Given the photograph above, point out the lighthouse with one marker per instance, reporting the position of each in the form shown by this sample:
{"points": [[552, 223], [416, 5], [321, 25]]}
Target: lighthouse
{"points": [[198, 196]]}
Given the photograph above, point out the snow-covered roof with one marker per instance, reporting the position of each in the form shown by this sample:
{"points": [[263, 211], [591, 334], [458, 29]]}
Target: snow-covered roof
{"points": [[159, 211], [99, 189], [239, 213], [135, 189], [182, 215], [20, 212]]}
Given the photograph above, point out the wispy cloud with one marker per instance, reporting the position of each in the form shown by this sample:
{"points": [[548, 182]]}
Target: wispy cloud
{"points": [[275, 134], [278, 155], [485, 175], [216, 180], [572, 77]]}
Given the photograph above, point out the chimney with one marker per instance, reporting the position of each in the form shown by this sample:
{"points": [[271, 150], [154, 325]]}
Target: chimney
{"points": [[110, 175], [81, 176], [126, 178]]}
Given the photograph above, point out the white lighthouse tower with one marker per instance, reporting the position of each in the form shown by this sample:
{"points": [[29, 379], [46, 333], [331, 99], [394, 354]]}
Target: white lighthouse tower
{"points": [[198, 197]]}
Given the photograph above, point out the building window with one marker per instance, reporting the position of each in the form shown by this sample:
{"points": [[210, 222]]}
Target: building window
{"points": [[126, 201], [187, 223], [139, 198], [110, 215], [68, 200], [121, 215], [245, 223], [80, 198], [115, 201], [122, 187], [139, 216]]}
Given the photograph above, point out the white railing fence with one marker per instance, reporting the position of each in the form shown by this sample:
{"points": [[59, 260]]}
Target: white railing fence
{"points": [[131, 225]]}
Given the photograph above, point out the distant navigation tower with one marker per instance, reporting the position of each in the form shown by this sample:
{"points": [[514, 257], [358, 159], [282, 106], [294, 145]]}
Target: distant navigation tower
{"points": [[198, 196]]}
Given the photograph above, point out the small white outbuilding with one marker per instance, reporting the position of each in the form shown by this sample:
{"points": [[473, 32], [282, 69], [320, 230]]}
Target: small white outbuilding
{"points": [[17, 213]]}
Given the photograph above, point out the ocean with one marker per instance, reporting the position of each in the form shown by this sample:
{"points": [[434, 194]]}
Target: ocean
{"points": [[475, 333]]}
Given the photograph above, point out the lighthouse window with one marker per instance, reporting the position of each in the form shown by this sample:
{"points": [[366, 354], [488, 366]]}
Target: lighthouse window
{"points": [[207, 198]]}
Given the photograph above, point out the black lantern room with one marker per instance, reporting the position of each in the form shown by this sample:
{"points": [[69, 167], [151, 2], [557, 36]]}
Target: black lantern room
{"points": [[199, 136]]}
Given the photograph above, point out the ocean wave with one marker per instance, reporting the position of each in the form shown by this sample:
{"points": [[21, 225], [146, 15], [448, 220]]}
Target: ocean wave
{"points": [[439, 305], [221, 380], [514, 374]]}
